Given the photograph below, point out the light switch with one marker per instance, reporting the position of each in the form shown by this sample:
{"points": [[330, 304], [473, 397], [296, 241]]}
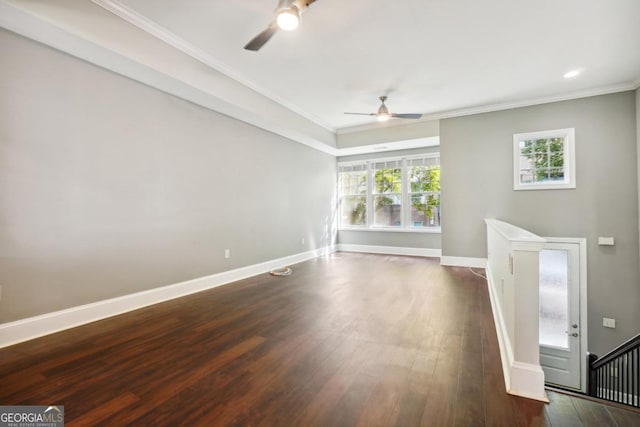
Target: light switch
{"points": [[608, 323], [605, 241]]}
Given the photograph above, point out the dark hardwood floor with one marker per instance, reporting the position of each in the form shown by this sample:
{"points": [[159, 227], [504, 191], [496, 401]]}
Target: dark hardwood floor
{"points": [[347, 340]]}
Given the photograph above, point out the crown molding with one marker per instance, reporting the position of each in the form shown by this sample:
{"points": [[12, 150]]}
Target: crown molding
{"points": [[158, 31], [495, 107], [17, 17], [118, 9]]}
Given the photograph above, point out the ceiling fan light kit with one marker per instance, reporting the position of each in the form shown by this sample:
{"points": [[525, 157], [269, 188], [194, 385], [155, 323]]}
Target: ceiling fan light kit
{"points": [[287, 18], [383, 113]]}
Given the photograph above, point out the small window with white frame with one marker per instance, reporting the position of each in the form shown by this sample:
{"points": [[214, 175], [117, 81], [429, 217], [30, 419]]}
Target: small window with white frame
{"points": [[544, 160]]}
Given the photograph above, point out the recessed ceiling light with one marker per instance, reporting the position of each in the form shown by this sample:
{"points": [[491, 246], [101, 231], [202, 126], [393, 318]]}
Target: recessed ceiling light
{"points": [[572, 74]]}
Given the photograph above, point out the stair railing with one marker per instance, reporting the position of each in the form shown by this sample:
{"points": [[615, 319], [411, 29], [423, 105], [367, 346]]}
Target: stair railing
{"points": [[616, 375]]}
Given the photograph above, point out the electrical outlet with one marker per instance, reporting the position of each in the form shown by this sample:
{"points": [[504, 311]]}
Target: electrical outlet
{"points": [[302, 241], [227, 253]]}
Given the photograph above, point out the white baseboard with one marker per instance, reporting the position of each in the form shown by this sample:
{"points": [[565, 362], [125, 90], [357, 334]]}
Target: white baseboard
{"points": [[388, 250], [527, 380], [459, 261], [34, 327]]}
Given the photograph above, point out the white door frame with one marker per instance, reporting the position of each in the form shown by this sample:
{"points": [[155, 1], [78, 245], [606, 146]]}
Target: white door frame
{"points": [[582, 248]]}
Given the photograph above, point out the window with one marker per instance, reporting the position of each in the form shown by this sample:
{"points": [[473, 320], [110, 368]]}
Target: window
{"points": [[392, 194], [353, 194], [544, 160], [387, 193], [424, 192]]}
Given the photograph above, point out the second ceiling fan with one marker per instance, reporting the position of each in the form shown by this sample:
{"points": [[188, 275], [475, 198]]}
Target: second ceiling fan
{"points": [[383, 113]]}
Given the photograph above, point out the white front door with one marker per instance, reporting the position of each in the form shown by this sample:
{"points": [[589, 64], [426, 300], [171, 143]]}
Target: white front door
{"points": [[560, 329]]}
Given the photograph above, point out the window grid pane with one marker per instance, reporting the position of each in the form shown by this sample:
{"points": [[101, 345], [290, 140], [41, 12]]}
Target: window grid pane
{"points": [[353, 183], [353, 210], [424, 196], [387, 180], [424, 178], [387, 210], [542, 160], [425, 210]]}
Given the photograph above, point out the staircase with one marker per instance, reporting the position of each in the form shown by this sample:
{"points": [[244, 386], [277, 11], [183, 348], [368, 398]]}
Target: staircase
{"points": [[616, 375]]}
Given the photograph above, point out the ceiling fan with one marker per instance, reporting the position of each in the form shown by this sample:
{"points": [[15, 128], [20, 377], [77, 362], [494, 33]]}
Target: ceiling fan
{"points": [[383, 113], [287, 18]]}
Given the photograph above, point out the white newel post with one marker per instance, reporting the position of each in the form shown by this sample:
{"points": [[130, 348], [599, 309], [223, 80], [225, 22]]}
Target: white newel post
{"points": [[513, 276]]}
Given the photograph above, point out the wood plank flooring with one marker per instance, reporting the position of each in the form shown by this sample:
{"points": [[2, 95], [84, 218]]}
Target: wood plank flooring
{"points": [[347, 340]]}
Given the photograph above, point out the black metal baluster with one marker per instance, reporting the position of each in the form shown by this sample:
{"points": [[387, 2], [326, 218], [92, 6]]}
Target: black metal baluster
{"points": [[617, 396], [599, 383], [626, 378], [635, 375], [607, 380], [614, 380], [616, 375]]}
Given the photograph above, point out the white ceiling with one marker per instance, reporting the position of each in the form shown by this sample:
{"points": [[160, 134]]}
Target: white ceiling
{"points": [[429, 56], [441, 58]]}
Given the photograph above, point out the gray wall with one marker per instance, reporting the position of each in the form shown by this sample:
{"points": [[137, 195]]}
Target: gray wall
{"points": [[388, 238], [387, 132], [638, 149], [109, 187], [477, 182]]}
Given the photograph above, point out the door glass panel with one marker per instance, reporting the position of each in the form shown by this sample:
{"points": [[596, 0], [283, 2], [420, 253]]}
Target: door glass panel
{"points": [[554, 303]]}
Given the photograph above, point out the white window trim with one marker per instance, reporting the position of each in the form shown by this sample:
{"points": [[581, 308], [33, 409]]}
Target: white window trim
{"points": [[569, 160], [405, 226], [425, 230]]}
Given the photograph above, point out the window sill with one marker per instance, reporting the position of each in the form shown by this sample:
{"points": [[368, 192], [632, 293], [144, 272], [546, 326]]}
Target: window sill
{"points": [[559, 186], [434, 230]]}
